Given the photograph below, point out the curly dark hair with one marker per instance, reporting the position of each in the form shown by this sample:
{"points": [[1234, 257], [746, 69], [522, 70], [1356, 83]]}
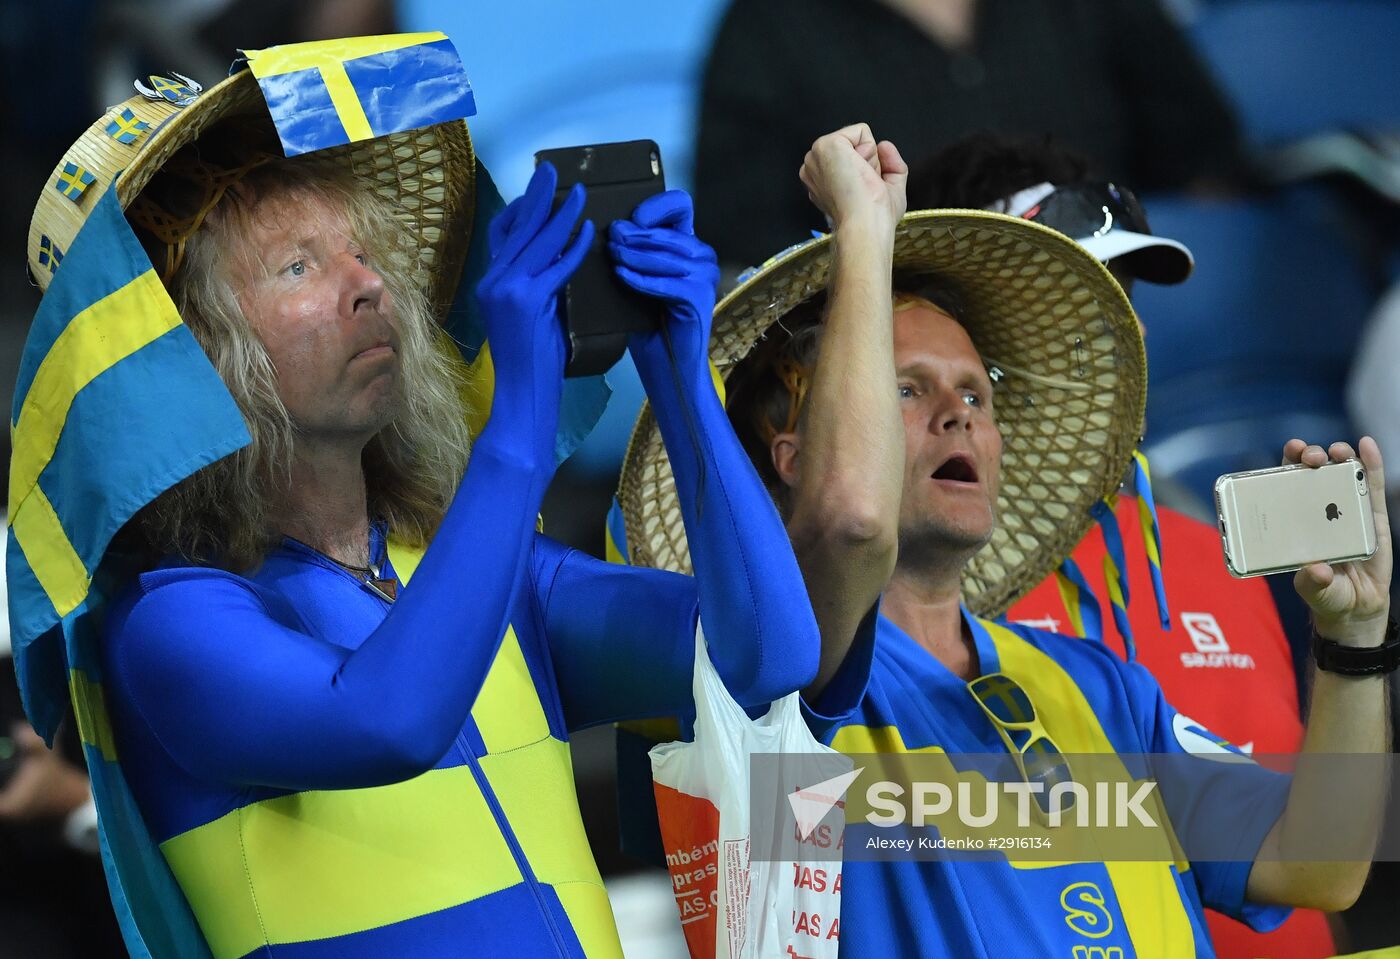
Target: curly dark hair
{"points": [[980, 169]]}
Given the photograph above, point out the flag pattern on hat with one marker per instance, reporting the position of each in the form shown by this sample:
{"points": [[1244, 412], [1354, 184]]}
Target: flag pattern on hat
{"points": [[126, 128], [73, 181], [106, 362], [49, 254], [331, 92]]}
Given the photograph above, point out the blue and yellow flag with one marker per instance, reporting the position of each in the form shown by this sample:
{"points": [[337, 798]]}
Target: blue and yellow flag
{"points": [[126, 128], [115, 403], [330, 92], [95, 439]]}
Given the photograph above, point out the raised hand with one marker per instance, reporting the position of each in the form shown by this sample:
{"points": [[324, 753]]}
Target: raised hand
{"points": [[658, 253], [848, 174], [531, 260], [1349, 601]]}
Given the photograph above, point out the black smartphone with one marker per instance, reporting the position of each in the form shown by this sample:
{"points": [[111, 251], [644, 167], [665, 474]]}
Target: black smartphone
{"points": [[599, 309]]}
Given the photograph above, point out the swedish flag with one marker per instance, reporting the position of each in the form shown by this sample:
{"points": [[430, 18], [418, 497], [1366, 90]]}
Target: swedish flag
{"points": [[50, 255], [330, 92], [126, 128], [106, 361], [73, 181]]}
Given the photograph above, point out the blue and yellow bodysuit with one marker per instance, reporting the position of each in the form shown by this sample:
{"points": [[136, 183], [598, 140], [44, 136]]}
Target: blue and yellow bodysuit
{"points": [[329, 773]]}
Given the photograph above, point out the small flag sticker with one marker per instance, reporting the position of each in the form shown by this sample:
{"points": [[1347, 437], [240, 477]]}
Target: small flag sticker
{"points": [[126, 128], [73, 181]]}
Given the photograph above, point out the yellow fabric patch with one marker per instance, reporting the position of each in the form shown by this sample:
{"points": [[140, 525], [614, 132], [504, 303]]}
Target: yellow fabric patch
{"points": [[535, 788], [507, 711], [334, 862], [404, 559], [90, 710], [1146, 891], [610, 551], [480, 389], [51, 556], [590, 914]]}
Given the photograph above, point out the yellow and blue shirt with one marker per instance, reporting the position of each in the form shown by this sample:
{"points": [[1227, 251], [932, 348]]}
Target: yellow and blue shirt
{"points": [[298, 827], [892, 696]]}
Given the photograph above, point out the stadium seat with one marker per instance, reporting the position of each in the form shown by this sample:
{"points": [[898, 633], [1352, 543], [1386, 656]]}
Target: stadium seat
{"points": [[1255, 346], [1295, 68]]}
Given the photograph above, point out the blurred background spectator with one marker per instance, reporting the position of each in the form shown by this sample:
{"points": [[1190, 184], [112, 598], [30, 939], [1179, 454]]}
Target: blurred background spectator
{"points": [[1115, 80], [1261, 133]]}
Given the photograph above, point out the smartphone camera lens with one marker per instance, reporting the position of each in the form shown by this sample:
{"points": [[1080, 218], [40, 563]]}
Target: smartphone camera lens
{"points": [[1360, 475]]}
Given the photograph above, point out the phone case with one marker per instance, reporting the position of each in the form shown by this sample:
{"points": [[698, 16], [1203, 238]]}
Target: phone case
{"points": [[1284, 518], [599, 309]]}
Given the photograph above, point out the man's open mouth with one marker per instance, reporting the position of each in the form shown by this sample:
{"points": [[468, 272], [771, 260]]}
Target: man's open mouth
{"points": [[957, 468]]}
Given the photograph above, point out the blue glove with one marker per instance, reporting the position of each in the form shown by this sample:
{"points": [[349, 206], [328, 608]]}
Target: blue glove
{"points": [[658, 253], [531, 260]]}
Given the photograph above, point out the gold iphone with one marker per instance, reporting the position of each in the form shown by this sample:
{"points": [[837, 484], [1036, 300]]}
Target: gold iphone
{"points": [[1281, 519]]}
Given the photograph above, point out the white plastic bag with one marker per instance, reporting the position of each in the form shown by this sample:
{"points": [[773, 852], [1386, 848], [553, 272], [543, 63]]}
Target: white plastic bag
{"points": [[732, 907]]}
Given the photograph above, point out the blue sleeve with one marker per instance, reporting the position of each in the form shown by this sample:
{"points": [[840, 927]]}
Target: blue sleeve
{"points": [[833, 707], [753, 601], [1221, 802], [622, 641], [238, 695]]}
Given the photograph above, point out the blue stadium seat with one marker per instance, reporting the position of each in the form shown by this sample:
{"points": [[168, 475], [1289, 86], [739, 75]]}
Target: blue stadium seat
{"points": [[1298, 67], [1255, 346]]}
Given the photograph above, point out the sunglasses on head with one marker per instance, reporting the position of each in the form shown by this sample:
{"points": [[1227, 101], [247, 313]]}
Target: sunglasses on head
{"points": [[1089, 209]]}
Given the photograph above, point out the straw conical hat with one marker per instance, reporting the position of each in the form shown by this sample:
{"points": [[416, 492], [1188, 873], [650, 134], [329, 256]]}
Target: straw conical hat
{"points": [[428, 173], [1065, 352]]}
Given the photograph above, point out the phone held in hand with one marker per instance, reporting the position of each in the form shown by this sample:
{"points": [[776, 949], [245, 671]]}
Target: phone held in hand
{"points": [[1281, 519], [600, 311]]}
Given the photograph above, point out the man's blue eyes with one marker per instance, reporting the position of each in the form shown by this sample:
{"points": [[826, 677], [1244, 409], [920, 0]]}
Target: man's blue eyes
{"points": [[971, 399], [299, 267]]}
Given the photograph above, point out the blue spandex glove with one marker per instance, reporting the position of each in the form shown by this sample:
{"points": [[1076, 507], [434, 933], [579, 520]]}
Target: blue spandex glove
{"points": [[745, 572], [658, 253], [531, 260]]}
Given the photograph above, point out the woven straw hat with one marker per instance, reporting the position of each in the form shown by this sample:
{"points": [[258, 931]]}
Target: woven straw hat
{"points": [[427, 173], [1063, 346]]}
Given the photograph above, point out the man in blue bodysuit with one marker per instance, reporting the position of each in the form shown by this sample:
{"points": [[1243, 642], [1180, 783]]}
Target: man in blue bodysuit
{"points": [[343, 692]]}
